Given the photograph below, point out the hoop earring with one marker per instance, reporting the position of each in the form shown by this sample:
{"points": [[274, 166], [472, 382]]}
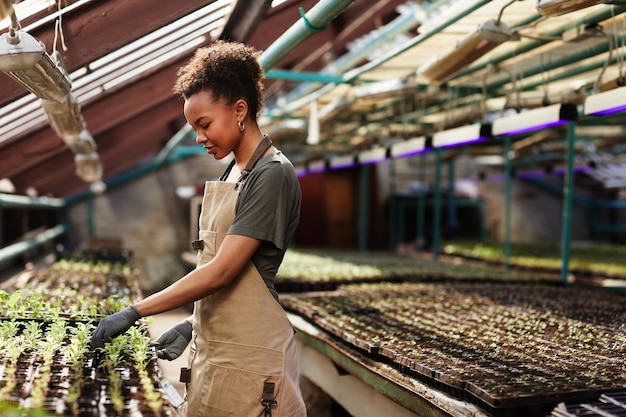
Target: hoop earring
{"points": [[241, 125]]}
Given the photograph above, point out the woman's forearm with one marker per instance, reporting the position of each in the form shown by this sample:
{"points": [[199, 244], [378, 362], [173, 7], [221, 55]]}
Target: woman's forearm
{"points": [[233, 255]]}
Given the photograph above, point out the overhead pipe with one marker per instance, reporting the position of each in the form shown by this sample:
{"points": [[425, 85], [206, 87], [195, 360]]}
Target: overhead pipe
{"points": [[13, 251], [131, 175], [403, 23], [278, 74], [313, 21], [22, 201], [353, 74]]}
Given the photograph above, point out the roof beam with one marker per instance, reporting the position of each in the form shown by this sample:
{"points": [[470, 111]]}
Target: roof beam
{"points": [[101, 27], [244, 19]]}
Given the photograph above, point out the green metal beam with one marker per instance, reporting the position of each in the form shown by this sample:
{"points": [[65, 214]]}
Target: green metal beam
{"points": [[568, 199], [278, 74], [453, 18], [131, 175], [507, 202], [437, 206], [23, 201], [421, 204], [13, 251], [364, 196], [314, 20]]}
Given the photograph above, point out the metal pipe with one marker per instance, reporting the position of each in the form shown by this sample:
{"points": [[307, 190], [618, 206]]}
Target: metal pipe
{"points": [[364, 186], [452, 203], [507, 202], [403, 23], [568, 198], [279, 74], [437, 205], [421, 204], [17, 249], [23, 201], [319, 16], [351, 75]]}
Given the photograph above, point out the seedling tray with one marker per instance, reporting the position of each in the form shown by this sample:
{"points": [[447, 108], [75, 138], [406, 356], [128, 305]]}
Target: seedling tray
{"points": [[71, 388], [512, 349]]}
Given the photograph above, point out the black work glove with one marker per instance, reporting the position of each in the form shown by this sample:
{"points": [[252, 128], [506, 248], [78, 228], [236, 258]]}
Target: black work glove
{"points": [[171, 344], [114, 325]]}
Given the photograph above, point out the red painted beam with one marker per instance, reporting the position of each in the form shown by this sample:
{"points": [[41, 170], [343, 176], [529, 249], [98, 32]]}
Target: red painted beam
{"points": [[101, 27], [119, 149]]}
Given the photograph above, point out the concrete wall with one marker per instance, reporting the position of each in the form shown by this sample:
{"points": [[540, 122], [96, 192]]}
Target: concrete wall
{"points": [[536, 215]]}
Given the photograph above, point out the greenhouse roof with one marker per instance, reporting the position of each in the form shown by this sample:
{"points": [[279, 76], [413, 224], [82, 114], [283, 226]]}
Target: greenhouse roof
{"points": [[360, 73]]}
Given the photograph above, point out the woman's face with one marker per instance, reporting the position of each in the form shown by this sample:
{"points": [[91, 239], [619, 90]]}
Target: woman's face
{"points": [[214, 122]]}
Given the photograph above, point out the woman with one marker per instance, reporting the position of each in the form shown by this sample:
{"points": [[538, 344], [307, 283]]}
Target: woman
{"points": [[243, 357]]}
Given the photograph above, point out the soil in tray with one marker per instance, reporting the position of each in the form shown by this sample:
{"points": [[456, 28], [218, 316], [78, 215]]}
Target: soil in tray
{"points": [[506, 345], [19, 380]]}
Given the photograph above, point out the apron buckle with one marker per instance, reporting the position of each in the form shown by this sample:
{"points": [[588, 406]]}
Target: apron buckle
{"points": [[197, 244]]}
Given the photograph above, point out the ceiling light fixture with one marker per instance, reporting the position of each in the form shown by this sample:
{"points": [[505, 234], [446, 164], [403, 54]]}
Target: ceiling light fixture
{"points": [[560, 7], [65, 117], [409, 147], [342, 161], [372, 156], [313, 137], [88, 167], [84, 143], [315, 167], [24, 58], [536, 119], [608, 102], [462, 135], [473, 46], [537, 100]]}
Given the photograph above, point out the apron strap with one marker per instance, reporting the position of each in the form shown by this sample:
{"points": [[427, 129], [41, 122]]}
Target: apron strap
{"points": [[265, 144], [228, 169]]}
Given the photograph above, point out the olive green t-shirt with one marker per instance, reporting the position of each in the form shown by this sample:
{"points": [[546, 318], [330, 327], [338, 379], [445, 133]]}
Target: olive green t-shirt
{"points": [[268, 209]]}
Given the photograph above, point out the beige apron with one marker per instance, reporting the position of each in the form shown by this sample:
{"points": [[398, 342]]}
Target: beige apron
{"points": [[242, 341]]}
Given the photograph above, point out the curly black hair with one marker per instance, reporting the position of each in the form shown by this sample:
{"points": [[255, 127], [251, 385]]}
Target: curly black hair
{"points": [[229, 70]]}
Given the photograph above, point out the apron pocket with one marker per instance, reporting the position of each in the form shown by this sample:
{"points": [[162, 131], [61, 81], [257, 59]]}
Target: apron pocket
{"points": [[209, 250], [233, 383]]}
